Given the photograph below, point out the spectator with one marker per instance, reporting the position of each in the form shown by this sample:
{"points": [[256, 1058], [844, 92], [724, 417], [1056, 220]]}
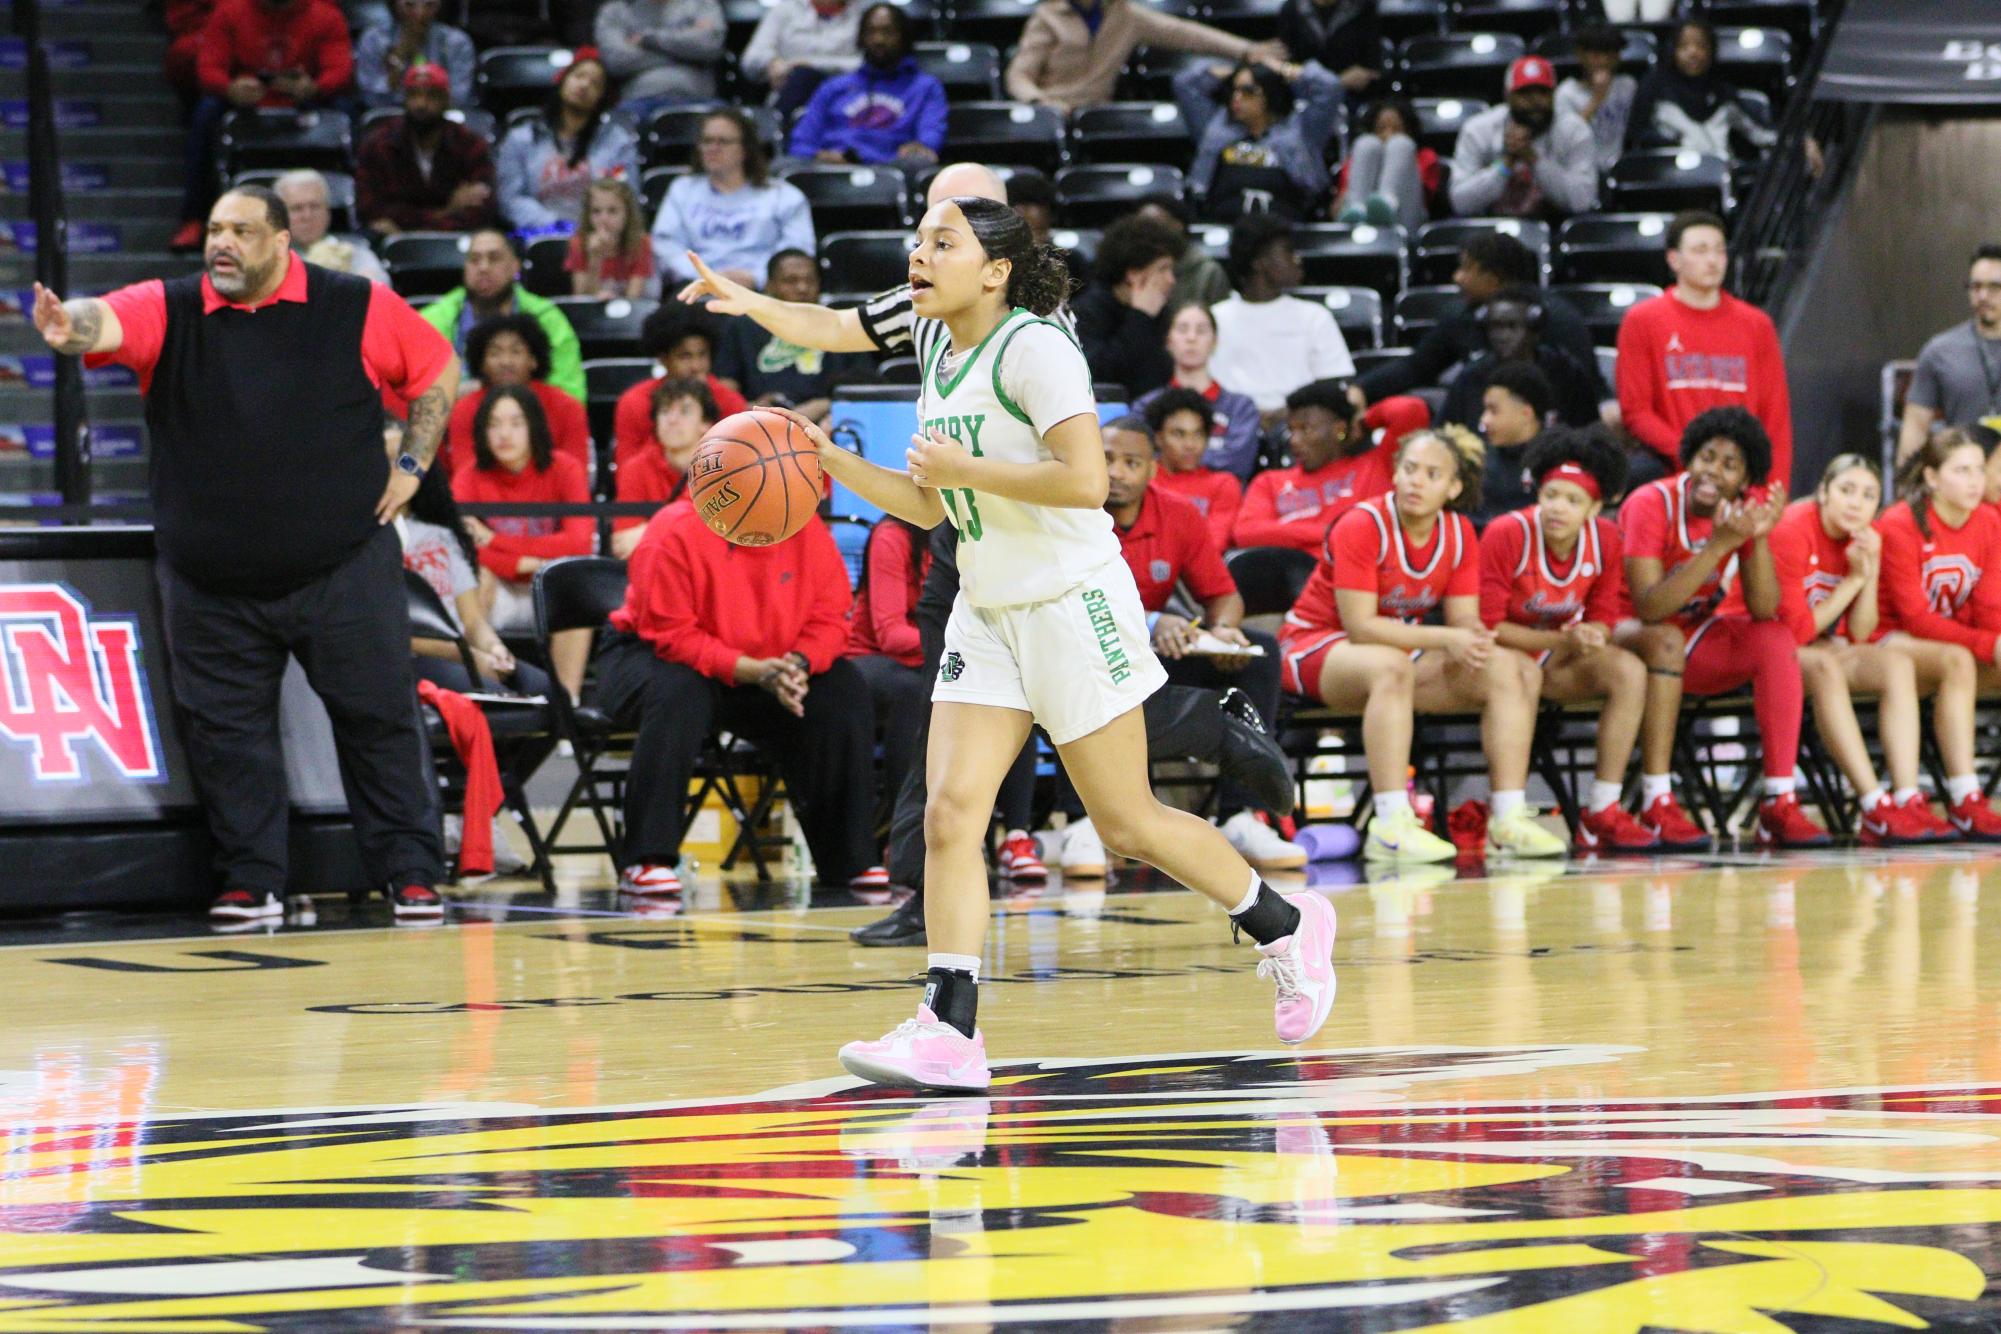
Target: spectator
{"points": [[888, 110], [1958, 380], [1513, 323], [885, 645], [610, 256], [1599, 95], [1343, 35], [1684, 103], [1337, 463], [547, 161], [422, 172], [257, 53], [1389, 179], [185, 20], [1488, 264], [514, 463], [729, 210], [1180, 420], [683, 412], [1167, 545], [1696, 347], [492, 288], [512, 350], [1637, 11], [308, 204], [1525, 159], [382, 56], [1071, 55], [1267, 343], [662, 52], [1234, 426], [748, 638], [1264, 149], [768, 370], [683, 340], [1198, 276], [1033, 199], [1515, 407], [1122, 317], [800, 43]]}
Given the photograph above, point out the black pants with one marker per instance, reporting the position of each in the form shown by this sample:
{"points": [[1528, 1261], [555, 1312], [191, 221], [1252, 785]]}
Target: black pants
{"points": [[350, 631], [450, 674], [826, 757]]}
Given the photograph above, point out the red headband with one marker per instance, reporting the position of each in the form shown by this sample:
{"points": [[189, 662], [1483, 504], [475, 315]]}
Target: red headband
{"points": [[1576, 476]]}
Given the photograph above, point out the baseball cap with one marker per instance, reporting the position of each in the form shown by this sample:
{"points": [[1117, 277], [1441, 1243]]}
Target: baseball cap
{"points": [[1531, 72], [426, 75]]}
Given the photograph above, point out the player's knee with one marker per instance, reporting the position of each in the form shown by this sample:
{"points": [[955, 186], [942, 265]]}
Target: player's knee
{"points": [[1622, 674], [1819, 672], [953, 819], [1129, 831], [1662, 647], [1393, 672], [1958, 667]]}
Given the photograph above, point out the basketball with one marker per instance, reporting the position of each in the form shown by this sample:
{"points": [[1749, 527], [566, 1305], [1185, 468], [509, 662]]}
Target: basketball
{"points": [[755, 478]]}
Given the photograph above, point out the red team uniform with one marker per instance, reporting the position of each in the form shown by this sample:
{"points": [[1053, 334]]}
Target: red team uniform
{"points": [[1367, 552], [1810, 566], [1933, 587], [1290, 507], [1523, 584]]}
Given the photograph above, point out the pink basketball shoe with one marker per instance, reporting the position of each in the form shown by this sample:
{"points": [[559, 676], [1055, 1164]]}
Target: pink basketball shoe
{"points": [[1302, 964], [922, 1053]]}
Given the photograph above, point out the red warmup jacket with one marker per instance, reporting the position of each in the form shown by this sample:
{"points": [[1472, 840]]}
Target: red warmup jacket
{"points": [[891, 583], [569, 427], [517, 536], [1934, 587], [1290, 507], [705, 603], [632, 416], [647, 477], [248, 37], [1676, 363]]}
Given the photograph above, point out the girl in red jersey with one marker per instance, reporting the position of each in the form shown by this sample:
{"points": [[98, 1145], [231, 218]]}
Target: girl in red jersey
{"points": [[1551, 586], [1688, 539], [1937, 548], [1356, 641]]}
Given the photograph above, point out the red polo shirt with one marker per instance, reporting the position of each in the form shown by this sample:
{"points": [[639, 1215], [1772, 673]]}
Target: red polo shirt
{"points": [[1167, 543]]}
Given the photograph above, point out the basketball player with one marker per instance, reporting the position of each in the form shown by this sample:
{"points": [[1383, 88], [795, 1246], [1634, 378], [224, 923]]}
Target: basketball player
{"points": [[1551, 585], [1356, 640], [1047, 628]]}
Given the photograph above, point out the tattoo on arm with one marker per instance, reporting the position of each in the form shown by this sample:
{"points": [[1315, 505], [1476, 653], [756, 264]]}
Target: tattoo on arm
{"points": [[428, 416], [86, 319]]}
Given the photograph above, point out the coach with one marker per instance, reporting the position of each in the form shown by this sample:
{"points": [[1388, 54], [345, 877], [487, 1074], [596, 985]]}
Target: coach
{"points": [[264, 379]]}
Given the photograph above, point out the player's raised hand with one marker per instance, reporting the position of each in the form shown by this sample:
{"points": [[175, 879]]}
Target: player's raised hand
{"points": [[724, 295], [937, 460]]}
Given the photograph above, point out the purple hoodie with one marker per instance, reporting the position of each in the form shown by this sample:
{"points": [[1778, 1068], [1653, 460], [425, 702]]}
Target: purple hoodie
{"points": [[870, 113]]}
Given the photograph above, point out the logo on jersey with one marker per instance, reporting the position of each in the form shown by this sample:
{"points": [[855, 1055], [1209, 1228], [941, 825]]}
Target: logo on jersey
{"points": [[1407, 604], [1160, 571], [1949, 582], [70, 681], [1552, 609], [952, 668]]}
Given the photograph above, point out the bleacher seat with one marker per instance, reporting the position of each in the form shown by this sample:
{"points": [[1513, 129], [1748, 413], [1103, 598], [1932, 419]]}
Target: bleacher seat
{"points": [[654, 183], [604, 380], [1604, 305], [1760, 58], [1149, 74], [281, 139], [1368, 359], [1401, 19], [1460, 64], [1357, 310], [1795, 17], [1612, 248], [1093, 196], [1608, 366], [1343, 255], [480, 122], [970, 71], [510, 77], [542, 266], [1004, 132], [1439, 120], [669, 135], [865, 261], [1642, 47], [998, 22], [1079, 241], [1434, 250], [1420, 309], [425, 263], [606, 328], [853, 198], [1130, 132], [1524, 18], [740, 20], [1668, 180], [1255, 19]]}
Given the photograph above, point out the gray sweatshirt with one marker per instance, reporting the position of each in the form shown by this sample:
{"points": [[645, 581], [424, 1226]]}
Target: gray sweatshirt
{"points": [[792, 30], [1566, 164], [662, 48]]}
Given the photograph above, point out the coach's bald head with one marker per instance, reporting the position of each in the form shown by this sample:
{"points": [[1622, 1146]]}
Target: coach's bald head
{"points": [[966, 178]]}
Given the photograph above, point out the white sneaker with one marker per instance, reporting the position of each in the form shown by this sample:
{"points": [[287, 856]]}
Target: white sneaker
{"points": [[1260, 845], [1083, 852]]}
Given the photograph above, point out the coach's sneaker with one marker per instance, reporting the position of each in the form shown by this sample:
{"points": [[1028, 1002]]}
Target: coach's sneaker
{"points": [[1613, 830], [645, 880], [1250, 757], [921, 1053], [1918, 816], [1301, 965], [1020, 860], [1782, 824], [1517, 834], [1400, 837], [1083, 851], [1664, 818], [416, 903], [1975, 819], [1260, 845], [241, 905]]}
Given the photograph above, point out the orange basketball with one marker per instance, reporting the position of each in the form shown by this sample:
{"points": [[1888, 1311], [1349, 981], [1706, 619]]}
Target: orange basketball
{"points": [[755, 478]]}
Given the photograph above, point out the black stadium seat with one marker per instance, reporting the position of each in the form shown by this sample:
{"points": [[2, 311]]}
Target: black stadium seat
{"points": [[1434, 250], [1399, 19], [1004, 132], [1439, 120], [1604, 305], [1759, 58], [1093, 196], [518, 76], [604, 381], [479, 122], [282, 139], [1255, 19], [542, 266], [1357, 310], [1560, 49], [1668, 181], [1340, 255], [1524, 18], [970, 71], [866, 261], [425, 263], [1367, 360], [1795, 17], [606, 328], [1079, 241], [654, 183], [1419, 310], [1130, 132], [669, 136], [1464, 64], [1612, 248], [740, 20], [1149, 75], [853, 198], [998, 22]]}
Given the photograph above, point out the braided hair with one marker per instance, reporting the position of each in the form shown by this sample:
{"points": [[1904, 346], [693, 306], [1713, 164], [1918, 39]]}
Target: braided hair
{"points": [[1038, 278]]}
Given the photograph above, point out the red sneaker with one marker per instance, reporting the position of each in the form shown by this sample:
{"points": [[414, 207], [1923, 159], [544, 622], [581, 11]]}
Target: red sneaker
{"points": [[1781, 823], [1917, 812], [1612, 830], [1020, 859], [1467, 828], [1888, 825], [189, 236], [1664, 818], [647, 880], [408, 902], [876, 877], [1975, 819]]}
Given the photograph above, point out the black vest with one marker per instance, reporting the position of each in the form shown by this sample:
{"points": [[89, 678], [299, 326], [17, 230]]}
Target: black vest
{"points": [[265, 436]]}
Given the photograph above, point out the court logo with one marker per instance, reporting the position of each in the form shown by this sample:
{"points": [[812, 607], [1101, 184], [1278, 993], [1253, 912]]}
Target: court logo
{"points": [[71, 681], [952, 668]]}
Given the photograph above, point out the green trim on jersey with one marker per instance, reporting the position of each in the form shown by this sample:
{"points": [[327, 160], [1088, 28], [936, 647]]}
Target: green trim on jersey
{"points": [[1000, 355], [938, 359]]}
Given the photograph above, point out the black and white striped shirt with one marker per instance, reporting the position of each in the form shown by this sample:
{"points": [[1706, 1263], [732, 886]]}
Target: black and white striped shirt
{"points": [[896, 329]]}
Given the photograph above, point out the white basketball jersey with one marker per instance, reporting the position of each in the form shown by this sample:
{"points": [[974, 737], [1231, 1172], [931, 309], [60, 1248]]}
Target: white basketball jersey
{"points": [[1009, 553]]}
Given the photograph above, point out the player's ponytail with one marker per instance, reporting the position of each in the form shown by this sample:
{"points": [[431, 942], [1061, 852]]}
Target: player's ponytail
{"points": [[1038, 277]]}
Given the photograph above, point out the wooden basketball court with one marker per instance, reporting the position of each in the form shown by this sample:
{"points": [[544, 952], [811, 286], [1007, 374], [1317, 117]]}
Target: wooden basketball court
{"points": [[1725, 1094]]}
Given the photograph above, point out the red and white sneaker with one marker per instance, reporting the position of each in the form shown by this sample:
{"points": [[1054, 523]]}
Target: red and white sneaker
{"points": [[1888, 825], [1782, 824], [1613, 830], [1020, 858], [1918, 812], [649, 880], [1975, 819], [876, 877], [1302, 966], [1664, 818], [922, 1053], [416, 903], [240, 905]]}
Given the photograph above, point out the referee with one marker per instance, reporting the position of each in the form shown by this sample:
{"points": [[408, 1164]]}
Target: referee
{"points": [[264, 378]]}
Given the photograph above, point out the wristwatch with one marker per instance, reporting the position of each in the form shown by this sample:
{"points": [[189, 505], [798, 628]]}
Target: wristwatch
{"points": [[407, 465]]}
